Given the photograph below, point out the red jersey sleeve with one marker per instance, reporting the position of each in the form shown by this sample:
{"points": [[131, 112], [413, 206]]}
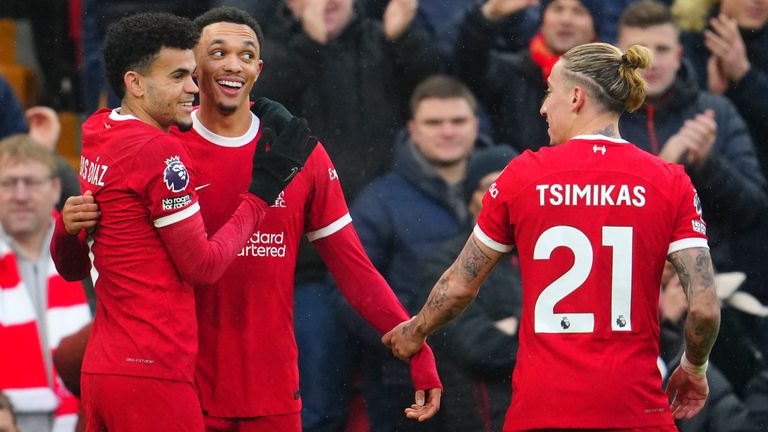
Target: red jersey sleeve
{"points": [[70, 253], [370, 295], [162, 176], [690, 230], [327, 210], [494, 227]]}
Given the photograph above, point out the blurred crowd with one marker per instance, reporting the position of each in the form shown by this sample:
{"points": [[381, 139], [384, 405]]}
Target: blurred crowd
{"points": [[420, 104]]}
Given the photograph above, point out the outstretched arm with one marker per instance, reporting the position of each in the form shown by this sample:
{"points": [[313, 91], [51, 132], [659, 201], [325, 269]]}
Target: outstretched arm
{"points": [[688, 383], [451, 295], [370, 295]]}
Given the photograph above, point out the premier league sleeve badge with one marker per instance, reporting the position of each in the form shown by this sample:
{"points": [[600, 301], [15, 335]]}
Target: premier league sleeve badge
{"points": [[175, 175]]}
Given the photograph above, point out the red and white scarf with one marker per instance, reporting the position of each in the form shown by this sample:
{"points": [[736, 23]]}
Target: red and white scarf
{"points": [[23, 374]]}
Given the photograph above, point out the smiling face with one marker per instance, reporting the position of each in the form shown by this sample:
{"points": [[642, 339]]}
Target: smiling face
{"points": [[169, 89], [228, 64], [662, 40], [566, 24], [28, 193], [444, 130], [750, 14]]}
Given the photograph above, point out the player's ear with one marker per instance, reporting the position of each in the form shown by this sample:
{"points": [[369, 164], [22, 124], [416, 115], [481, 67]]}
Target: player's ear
{"points": [[579, 96], [134, 83]]}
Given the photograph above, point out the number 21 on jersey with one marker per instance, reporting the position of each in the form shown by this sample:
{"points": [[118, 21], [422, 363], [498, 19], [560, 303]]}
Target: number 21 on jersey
{"points": [[617, 238]]}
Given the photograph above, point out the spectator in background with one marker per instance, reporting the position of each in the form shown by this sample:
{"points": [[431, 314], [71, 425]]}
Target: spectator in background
{"points": [[511, 87], [350, 77], [402, 216], [7, 415], [43, 126], [12, 119], [703, 131], [39, 307], [731, 58], [476, 352], [440, 21]]}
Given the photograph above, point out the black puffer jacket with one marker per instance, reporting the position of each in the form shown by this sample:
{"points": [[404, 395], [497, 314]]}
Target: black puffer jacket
{"points": [[353, 91], [510, 86], [749, 94]]}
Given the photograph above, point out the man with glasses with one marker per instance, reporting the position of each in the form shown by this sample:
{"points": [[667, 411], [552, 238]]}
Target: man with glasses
{"points": [[37, 307]]}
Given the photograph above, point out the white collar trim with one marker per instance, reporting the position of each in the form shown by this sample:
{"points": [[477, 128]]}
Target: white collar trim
{"points": [[240, 141]]}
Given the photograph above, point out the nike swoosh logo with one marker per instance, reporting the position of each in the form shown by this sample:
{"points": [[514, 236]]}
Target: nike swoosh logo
{"points": [[294, 171], [203, 186]]}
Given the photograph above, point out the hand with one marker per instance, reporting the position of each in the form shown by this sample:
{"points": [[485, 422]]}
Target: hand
{"points": [[423, 410], [403, 340], [696, 138], [80, 212], [271, 114], [701, 132], [278, 158], [724, 42], [398, 16], [44, 126], [688, 392], [313, 21], [716, 81], [497, 10]]}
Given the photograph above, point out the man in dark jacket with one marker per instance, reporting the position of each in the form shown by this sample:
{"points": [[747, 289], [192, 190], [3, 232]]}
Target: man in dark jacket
{"points": [[348, 76], [511, 87], [476, 352], [403, 216], [701, 130], [731, 58]]}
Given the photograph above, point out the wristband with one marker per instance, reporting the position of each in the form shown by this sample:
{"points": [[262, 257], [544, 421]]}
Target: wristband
{"points": [[692, 368]]}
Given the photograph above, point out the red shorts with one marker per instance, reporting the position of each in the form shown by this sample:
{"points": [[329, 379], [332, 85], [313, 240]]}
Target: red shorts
{"points": [[120, 403], [274, 423]]}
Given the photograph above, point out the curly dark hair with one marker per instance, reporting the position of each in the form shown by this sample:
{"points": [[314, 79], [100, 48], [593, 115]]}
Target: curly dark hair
{"points": [[231, 15], [133, 43]]}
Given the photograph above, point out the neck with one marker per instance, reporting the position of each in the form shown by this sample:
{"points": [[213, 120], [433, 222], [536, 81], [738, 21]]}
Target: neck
{"points": [[30, 245], [605, 124], [129, 107], [452, 174], [225, 123]]}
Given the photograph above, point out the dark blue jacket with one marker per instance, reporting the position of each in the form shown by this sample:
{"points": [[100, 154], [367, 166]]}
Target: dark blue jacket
{"points": [[12, 120], [404, 216]]}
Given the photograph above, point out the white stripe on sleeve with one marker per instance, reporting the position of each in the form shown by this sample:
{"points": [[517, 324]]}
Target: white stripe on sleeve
{"points": [[491, 243], [686, 244], [177, 217], [330, 229]]}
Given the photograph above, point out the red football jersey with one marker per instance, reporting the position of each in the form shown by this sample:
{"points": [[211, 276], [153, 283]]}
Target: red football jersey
{"points": [[253, 301], [145, 321], [593, 220]]}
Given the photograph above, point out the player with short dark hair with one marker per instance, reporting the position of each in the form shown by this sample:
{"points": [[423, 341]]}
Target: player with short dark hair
{"points": [[593, 218], [151, 247]]}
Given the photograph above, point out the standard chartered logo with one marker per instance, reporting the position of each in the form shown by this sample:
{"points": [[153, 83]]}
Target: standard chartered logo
{"points": [[264, 245]]}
